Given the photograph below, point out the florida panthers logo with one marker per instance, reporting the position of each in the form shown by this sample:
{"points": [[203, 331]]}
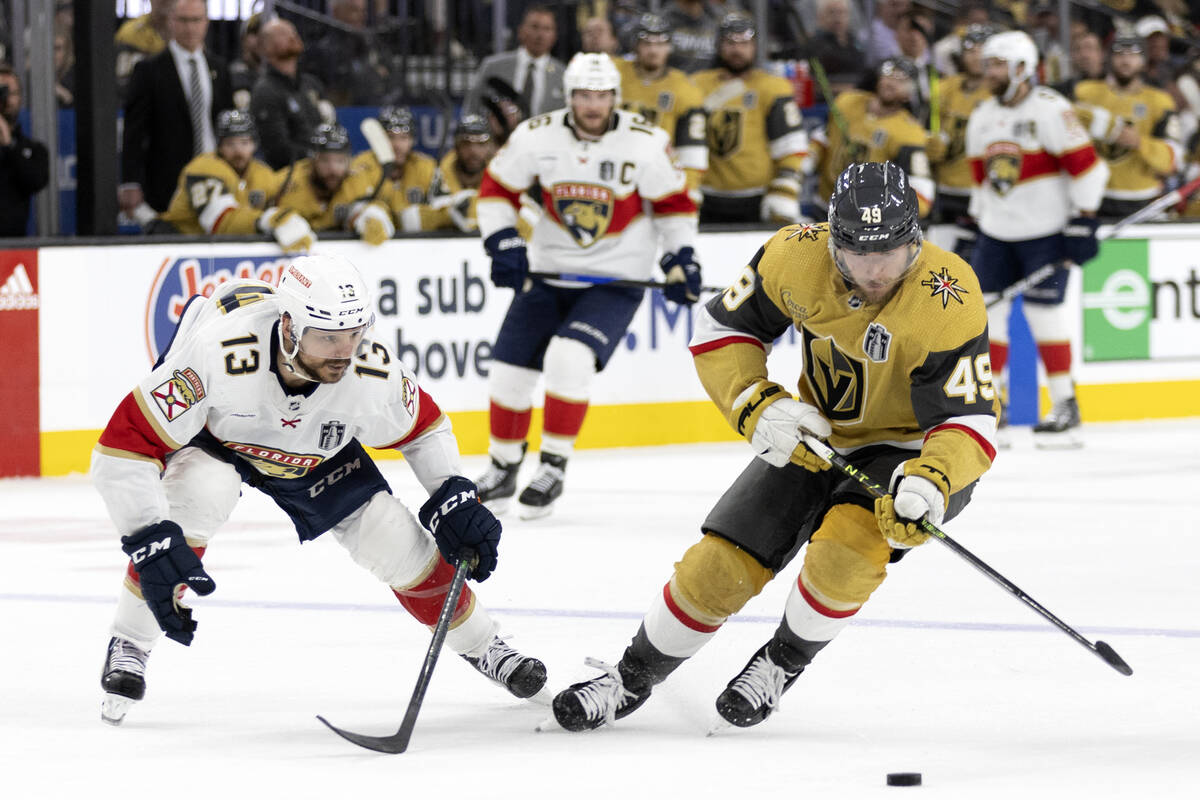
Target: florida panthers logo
{"points": [[585, 210], [1003, 163]]}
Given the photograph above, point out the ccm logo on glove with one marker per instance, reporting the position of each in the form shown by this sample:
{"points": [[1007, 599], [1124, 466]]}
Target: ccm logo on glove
{"points": [[435, 519]]}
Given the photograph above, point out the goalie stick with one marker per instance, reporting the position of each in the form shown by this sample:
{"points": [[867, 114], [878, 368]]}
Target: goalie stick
{"points": [[1141, 215], [1102, 649], [381, 147], [398, 741], [607, 281]]}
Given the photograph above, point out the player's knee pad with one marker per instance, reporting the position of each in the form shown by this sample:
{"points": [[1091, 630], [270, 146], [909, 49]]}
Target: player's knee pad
{"points": [[847, 557], [570, 367], [383, 537], [512, 386], [1048, 323], [715, 578], [202, 491]]}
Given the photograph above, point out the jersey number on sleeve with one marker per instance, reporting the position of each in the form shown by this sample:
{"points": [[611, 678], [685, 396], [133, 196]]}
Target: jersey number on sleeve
{"points": [[972, 377]]}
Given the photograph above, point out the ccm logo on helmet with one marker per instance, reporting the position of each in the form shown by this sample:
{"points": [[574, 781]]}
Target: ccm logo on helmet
{"points": [[874, 237]]}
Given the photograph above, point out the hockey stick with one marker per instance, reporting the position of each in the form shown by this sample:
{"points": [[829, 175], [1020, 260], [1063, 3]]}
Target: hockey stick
{"points": [[1141, 215], [1101, 649], [381, 147], [398, 741], [603, 280]]}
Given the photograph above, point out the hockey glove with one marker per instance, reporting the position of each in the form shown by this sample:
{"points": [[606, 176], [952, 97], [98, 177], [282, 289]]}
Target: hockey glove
{"points": [[163, 561], [1079, 240], [683, 276], [774, 423], [461, 525], [373, 224], [781, 205], [510, 260], [290, 230], [913, 499], [460, 210]]}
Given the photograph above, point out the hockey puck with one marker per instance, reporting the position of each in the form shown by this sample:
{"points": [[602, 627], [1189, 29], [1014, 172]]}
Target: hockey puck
{"points": [[904, 779]]}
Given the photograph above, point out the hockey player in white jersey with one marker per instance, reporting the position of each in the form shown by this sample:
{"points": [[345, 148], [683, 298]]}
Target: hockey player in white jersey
{"points": [[280, 388], [611, 195], [1038, 184]]}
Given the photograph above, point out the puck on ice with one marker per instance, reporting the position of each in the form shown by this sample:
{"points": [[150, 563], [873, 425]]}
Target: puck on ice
{"points": [[904, 779]]}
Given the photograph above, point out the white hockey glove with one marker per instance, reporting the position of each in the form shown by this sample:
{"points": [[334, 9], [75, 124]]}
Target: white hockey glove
{"points": [[459, 205], [290, 230], [913, 498], [373, 223], [774, 423], [781, 205]]}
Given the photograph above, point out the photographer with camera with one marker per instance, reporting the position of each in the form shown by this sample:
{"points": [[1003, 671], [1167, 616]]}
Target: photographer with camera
{"points": [[24, 163]]}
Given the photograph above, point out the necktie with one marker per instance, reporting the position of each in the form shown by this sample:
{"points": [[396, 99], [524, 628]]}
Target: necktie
{"points": [[527, 89], [196, 108]]}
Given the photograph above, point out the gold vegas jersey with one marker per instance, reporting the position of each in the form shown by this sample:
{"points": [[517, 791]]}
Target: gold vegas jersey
{"points": [[911, 372], [1134, 174], [674, 104], [333, 214], [411, 190], [896, 137], [754, 133], [447, 201], [947, 149], [211, 198]]}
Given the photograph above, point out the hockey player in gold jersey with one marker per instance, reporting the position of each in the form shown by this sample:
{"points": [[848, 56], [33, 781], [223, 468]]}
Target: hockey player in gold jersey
{"points": [[456, 185], [666, 97], [896, 377], [756, 147], [1134, 127], [228, 191], [406, 189], [332, 196], [879, 127]]}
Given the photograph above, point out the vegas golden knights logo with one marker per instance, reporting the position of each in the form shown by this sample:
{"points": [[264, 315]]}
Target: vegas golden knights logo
{"points": [[724, 131], [585, 210], [838, 381], [1003, 166]]}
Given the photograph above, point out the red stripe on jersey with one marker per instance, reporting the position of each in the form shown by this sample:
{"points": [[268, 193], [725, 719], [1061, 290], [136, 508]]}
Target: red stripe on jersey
{"points": [[983, 443], [717, 344], [1036, 164], [678, 203], [509, 425], [429, 414], [1079, 160], [820, 607], [623, 211], [129, 430], [683, 618], [977, 171], [490, 187]]}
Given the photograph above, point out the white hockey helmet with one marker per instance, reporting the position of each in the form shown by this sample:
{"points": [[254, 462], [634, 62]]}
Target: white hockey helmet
{"points": [[323, 292], [592, 71], [1018, 50]]}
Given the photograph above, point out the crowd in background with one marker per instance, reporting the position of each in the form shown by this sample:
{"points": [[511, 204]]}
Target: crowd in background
{"points": [[291, 74]]}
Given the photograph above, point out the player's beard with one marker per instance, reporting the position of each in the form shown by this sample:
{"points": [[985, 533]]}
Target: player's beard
{"points": [[737, 68], [1123, 81], [1000, 89], [325, 370]]}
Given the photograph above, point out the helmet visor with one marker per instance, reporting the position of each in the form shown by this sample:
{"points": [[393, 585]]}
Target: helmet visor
{"points": [[319, 343], [876, 274]]}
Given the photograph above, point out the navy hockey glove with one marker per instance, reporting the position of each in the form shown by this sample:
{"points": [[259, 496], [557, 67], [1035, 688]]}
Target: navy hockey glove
{"points": [[683, 276], [1079, 240], [163, 560], [461, 525], [510, 262]]}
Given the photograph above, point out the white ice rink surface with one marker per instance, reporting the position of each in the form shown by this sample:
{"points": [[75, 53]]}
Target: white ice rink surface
{"points": [[942, 673]]}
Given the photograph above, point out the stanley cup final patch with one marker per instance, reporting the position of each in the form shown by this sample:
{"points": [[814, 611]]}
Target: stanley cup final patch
{"points": [[332, 433], [178, 393], [876, 342]]}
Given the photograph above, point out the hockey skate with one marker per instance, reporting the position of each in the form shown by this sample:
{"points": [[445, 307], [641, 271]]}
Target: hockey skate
{"points": [[522, 676], [497, 486], [1060, 429], [123, 679], [755, 691], [590, 704], [537, 500]]}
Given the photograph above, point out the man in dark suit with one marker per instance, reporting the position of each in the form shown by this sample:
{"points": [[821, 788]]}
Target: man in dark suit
{"points": [[534, 74], [173, 101]]}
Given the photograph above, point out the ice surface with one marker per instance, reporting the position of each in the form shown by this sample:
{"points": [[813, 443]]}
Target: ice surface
{"points": [[942, 673]]}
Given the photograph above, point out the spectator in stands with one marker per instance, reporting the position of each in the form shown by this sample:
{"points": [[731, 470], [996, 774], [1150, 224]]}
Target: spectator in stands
{"points": [[530, 71], [694, 26], [64, 67], [1087, 63], [1160, 69], [347, 60], [284, 101], [597, 36], [832, 44], [1043, 26], [456, 188], [24, 163], [245, 69], [405, 190], [914, 35], [140, 38], [879, 39], [173, 101], [946, 49]]}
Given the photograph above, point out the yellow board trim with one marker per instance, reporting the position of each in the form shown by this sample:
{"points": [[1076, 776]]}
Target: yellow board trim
{"points": [[649, 424]]}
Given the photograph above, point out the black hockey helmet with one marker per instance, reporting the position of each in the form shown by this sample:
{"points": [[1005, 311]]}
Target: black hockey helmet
{"points": [[898, 65], [396, 119], [330, 137], [473, 128], [234, 122], [653, 28], [975, 35], [737, 27], [873, 209]]}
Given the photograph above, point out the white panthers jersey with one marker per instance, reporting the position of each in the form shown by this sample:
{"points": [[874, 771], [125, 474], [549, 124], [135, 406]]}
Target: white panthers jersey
{"points": [[1033, 165], [219, 374], [606, 203]]}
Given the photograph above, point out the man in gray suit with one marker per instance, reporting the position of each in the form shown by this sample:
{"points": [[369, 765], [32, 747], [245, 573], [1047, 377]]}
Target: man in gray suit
{"points": [[534, 76]]}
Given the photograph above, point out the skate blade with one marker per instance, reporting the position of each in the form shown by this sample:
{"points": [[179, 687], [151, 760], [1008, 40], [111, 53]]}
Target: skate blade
{"points": [[544, 697], [114, 708], [1057, 441], [719, 725], [534, 512], [498, 505], [548, 724]]}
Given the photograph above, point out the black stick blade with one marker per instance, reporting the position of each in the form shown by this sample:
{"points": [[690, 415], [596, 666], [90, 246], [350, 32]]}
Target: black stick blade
{"points": [[1112, 659], [396, 743]]}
